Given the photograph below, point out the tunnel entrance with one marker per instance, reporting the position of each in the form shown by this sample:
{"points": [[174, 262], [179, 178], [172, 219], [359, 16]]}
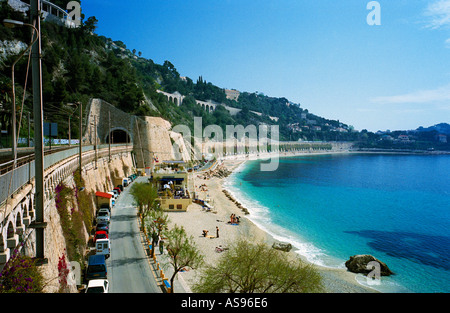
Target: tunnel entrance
{"points": [[118, 136]]}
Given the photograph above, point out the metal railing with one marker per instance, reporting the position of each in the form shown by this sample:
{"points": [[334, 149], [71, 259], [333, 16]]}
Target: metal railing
{"points": [[24, 170]]}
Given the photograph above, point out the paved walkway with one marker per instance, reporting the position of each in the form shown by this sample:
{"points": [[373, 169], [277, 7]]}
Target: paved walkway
{"points": [[160, 265]]}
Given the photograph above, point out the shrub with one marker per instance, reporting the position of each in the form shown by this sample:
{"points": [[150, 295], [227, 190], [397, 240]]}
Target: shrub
{"points": [[257, 268], [20, 275]]}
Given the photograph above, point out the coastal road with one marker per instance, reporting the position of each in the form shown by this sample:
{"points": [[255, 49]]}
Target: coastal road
{"points": [[128, 267]]}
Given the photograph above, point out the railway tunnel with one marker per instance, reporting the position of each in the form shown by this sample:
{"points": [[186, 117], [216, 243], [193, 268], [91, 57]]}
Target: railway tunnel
{"points": [[118, 136]]}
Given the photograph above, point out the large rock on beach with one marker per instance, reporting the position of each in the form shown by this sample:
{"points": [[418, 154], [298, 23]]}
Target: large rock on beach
{"points": [[220, 172], [358, 264], [286, 247]]}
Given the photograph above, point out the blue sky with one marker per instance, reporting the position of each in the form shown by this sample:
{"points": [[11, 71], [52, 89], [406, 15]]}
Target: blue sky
{"points": [[319, 53]]}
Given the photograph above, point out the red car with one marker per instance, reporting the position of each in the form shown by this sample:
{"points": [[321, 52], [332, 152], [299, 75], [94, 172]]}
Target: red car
{"points": [[118, 190], [101, 234]]}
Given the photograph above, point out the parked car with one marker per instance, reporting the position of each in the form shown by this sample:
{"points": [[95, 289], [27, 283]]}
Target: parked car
{"points": [[98, 286], [96, 267], [118, 190], [101, 234], [103, 247], [104, 210], [120, 187], [114, 196], [103, 216], [116, 193], [102, 227], [105, 206]]}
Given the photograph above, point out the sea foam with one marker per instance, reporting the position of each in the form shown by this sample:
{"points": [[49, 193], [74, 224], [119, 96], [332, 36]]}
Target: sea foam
{"points": [[260, 216]]}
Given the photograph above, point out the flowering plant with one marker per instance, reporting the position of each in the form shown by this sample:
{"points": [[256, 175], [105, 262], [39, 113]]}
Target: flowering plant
{"points": [[20, 275], [63, 273]]}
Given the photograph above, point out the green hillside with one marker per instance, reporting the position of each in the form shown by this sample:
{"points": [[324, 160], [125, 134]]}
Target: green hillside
{"points": [[79, 64]]}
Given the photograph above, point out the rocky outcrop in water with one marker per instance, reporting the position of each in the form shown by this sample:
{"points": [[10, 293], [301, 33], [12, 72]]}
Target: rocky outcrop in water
{"points": [[359, 264]]}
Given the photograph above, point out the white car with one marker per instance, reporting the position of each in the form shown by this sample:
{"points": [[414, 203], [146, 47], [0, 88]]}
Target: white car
{"points": [[104, 210], [116, 193], [98, 286], [103, 216]]}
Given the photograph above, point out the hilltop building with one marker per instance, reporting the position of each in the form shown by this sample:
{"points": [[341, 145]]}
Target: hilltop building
{"points": [[50, 12], [232, 94]]}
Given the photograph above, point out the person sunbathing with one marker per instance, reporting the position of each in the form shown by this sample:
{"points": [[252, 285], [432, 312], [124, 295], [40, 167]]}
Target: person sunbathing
{"points": [[220, 249]]}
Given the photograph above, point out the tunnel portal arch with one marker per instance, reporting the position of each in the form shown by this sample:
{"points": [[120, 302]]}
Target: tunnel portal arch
{"points": [[118, 135]]}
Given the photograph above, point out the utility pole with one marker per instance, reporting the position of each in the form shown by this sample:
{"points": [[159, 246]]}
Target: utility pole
{"points": [[109, 135], [38, 130], [80, 105], [95, 140], [140, 143], [69, 128], [29, 130]]}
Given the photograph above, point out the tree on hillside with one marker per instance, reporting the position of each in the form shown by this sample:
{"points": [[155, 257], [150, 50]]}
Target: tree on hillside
{"points": [[90, 25], [257, 268], [131, 97]]}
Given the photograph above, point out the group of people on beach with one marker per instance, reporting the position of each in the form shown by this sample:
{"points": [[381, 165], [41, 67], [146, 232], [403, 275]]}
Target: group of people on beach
{"points": [[205, 233], [234, 219]]}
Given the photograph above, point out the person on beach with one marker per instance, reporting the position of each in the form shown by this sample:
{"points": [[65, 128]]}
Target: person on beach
{"points": [[205, 233], [217, 232], [155, 239]]}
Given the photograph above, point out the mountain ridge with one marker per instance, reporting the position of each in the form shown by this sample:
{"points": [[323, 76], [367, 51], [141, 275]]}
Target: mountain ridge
{"points": [[443, 128], [79, 64]]}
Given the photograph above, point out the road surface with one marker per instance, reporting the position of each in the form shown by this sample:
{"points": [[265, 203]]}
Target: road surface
{"points": [[128, 267]]}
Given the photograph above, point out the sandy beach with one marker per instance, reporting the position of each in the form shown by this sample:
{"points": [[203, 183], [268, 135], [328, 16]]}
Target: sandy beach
{"points": [[197, 219]]}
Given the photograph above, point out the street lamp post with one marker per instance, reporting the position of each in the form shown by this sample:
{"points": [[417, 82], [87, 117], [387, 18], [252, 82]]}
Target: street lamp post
{"points": [[38, 109], [78, 105], [39, 223], [95, 142], [69, 128], [70, 117], [11, 24]]}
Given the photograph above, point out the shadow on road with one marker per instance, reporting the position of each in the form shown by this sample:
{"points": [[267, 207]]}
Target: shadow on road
{"points": [[123, 217], [127, 261], [122, 234]]}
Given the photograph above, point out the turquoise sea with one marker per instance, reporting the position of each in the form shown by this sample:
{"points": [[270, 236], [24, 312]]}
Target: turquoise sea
{"points": [[330, 207]]}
